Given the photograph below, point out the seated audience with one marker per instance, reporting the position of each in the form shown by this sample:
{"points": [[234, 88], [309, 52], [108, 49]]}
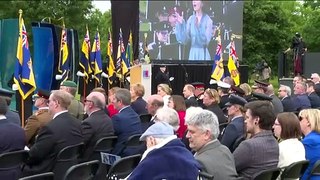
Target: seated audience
{"points": [[287, 129], [247, 91], [40, 118], [103, 91], [215, 158], [198, 92], [235, 130], [316, 79], [284, 94], [310, 127], [126, 123], [12, 116], [211, 100], [261, 151], [111, 109], [62, 131], [177, 103], [277, 105], [12, 138], [97, 125], [138, 104], [154, 102], [312, 95], [166, 157], [300, 98], [223, 91], [169, 116], [164, 91], [188, 93]]}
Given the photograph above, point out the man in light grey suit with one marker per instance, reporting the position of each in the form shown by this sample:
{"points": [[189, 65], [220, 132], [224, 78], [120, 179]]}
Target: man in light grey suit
{"points": [[203, 130]]}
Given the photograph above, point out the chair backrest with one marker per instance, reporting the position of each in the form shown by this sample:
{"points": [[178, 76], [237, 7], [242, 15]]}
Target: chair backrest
{"points": [[145, 118], [205, 176], [66, 158], [105, 144], [315, 169], [133, 141], [295, 170], [47, 176], [270, 174], [13, 159], [123, 167], [83, 171]]}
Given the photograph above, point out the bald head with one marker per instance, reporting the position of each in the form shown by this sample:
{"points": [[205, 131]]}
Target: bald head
{"points": [[98, 99], [154, 102]]}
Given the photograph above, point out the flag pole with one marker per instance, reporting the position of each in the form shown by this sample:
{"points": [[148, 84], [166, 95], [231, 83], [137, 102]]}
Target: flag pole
{"points": [[22, 100], [84, 81]]}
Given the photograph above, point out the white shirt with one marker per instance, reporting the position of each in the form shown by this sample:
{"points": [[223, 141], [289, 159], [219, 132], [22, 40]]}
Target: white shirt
{"points": [[2, 117], [57, 114], [290, 151]]}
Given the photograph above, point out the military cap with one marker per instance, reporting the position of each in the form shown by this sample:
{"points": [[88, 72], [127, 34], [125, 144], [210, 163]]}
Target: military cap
{"points": [[260, 84], [161, 26], [235, 99], [68, 84], [42, 93], [198, 85], [223, 85], [237, 90], [6, 93], [262, 97]]}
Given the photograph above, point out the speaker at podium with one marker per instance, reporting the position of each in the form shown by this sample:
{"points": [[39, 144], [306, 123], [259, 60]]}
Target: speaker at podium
{"points": [[142, 74]]}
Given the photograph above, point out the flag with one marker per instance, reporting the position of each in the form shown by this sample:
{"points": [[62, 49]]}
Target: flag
{"points": [[110, 67], [85, 57], [232, 68], [23, 74], [64, 64], [217, 67], [96, 62], [129, 51], [121, 66]]}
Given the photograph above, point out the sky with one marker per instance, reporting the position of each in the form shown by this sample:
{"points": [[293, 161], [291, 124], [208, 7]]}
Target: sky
{"points": [[103, 6]]}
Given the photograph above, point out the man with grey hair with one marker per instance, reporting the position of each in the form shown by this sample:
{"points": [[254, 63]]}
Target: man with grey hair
{"points": [[62, 131], [97, 125], [169, 116], [166, 157], [126, 123], [284, 94], [277, 105], [300, 98], [215, 158], [316, 79]]}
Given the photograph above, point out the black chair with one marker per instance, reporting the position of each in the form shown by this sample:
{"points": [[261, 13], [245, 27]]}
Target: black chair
{"points": [[83, 171], [205, 176], [123, 167], [315, 171], [11, 162], [105, 144], [66, 158], [132, 146], [295, 170], [46, 176], [270, 174]]}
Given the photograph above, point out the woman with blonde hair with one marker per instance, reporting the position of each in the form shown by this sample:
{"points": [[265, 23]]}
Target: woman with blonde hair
{"points": [[211, 100], [164, 91], [138, 104], [247, 91], [111, 109], [310, 127]]}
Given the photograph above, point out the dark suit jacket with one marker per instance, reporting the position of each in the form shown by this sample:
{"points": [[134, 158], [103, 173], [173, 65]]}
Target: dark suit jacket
{"points": [[233, 131], [139, 106], [13, 117], [217, 160], [217, 111], [301, 101], [126, 123], [95, 127], [62, 131], [12, 138], [192, 101], [288, 104], [314, 100], [223, 101], [317, 88]]}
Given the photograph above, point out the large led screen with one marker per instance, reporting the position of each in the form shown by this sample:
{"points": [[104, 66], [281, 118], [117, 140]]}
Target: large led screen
{"points": [[188, 30]]}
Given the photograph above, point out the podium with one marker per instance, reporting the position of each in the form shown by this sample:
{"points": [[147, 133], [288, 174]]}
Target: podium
{"points": [[142, 74]]}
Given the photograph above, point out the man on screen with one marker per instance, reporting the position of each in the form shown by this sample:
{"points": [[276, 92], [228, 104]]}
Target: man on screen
{"points": [[162, 33]]}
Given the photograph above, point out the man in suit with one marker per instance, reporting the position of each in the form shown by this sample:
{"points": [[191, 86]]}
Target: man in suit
{"points": [[198, 92], [126, 123], [312, 95], [12, 116], [223, 91], [215, 158], [76, 107], [235, 129], [12, 138], [62, 131], [300, 98], [97, 125], [277, 105], [284, 94], [40, 118], [261, 151], [316, 79], [188, 93]]}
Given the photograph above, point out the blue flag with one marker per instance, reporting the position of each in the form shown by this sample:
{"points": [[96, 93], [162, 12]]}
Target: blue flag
{"points": [[96, 62], [23, 75], [64, 64], [85, 57]]}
